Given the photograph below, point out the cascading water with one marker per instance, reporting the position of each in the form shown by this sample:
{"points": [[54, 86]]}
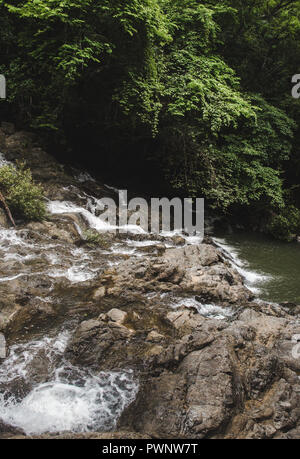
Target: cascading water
{"points": [[206, 310], [253, 279], [68, 398], [41, 391]]}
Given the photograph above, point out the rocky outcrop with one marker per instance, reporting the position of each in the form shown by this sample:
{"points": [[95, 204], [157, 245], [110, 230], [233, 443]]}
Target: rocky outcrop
{"points": [[201, 378], [191, 270], [129, 306]]}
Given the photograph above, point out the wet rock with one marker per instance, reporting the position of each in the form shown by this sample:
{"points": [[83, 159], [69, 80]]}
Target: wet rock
{"points": [[292, 308], [8, 306], [192, 401], [31, 319], [17, 387], [94, 340], [3, 348], [7, 431], [110, 344], [116, 315], [41, 367], [195, 270], [261, 372], [178, 240], [155, 337], [65, 228], [158, 249], [219, 381]]}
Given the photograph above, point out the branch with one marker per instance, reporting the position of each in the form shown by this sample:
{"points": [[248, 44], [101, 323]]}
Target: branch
{"points": [[2, 199]]}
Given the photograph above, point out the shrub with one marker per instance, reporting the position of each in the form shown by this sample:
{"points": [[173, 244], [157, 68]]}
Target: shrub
{"points": [[93, 239], [24, 198]]}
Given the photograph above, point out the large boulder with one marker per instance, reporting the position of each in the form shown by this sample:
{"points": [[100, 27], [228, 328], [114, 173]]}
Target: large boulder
{"points": [[220, 381], [117, 340], [199, 377], [196, 270]]}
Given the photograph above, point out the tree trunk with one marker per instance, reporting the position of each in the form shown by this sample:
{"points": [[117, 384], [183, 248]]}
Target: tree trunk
{"points": [[2, 199]]}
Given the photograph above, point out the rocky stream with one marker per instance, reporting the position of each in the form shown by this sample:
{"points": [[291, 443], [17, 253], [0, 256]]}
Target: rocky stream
{"points": [[143, 336]]}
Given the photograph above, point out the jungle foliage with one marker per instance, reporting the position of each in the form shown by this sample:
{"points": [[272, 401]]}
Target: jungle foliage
{"points": [[201, 89]]}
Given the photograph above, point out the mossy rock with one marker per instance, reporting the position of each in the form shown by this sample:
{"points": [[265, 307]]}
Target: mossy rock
{"points": [[93, 239]]}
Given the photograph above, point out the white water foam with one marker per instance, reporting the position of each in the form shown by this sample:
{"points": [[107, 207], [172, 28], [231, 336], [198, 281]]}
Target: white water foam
{"points": [[10, 238], [78, 261], [10, 278], [120, 249], [65, 207], [74, 274], [18, 257], [253, 279], [72, 399], [206, 310], [3, 161], [142, 243], [194, 239], [94, 221], [80, 269], [116, 190]]}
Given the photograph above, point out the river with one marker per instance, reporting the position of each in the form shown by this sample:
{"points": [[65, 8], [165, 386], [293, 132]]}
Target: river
{"points": [[271, 268]]}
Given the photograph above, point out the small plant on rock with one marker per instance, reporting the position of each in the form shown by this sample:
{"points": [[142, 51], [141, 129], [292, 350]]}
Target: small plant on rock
{"points": [[24, 198], [93, 239]]}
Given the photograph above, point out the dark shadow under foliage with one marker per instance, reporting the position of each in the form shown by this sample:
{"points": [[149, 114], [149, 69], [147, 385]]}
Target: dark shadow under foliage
{"points": [[185, 96]]}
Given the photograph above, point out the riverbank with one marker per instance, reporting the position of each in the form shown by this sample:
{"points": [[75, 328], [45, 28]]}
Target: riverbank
{"points": [[142, 335]]}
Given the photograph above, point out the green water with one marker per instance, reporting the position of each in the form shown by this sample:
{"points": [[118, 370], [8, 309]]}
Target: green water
{"points": [[272, 268]]}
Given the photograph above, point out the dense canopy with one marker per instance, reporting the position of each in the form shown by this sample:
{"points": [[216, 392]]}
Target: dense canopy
{"points": [[198, 90]]}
